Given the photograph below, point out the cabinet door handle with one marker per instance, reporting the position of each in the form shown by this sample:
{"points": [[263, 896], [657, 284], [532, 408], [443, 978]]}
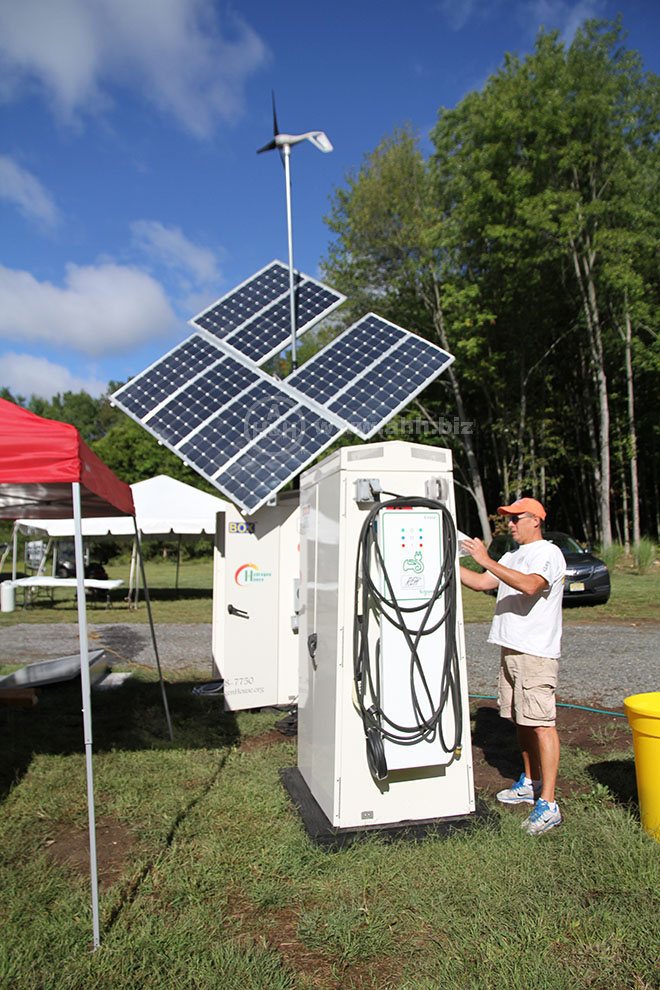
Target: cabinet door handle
{"points": [[237, 611]]}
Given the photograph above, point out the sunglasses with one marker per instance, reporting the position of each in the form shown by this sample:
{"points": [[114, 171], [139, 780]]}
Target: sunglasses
{"points": [[517, 518]]}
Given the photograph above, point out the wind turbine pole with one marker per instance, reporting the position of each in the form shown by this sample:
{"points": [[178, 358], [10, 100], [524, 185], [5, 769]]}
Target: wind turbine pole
{"points": [[283, 143], [286, 149]]}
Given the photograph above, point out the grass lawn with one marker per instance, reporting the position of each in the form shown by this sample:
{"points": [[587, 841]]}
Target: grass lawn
{"points": [[208, 879], [191, 602]]}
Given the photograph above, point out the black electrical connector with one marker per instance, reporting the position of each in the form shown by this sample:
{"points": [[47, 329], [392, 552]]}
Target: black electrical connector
{"points": [[371, 603]]}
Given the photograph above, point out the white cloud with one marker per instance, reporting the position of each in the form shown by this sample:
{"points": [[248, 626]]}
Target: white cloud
{"points": [[170, 247], [26, 375], [458, 12], [21, 188], [564, 16], [100, 309], [174, 53]]}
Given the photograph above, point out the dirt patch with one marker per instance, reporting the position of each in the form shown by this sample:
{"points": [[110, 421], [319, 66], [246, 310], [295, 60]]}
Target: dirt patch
{"points": [[495, 745], [114, 846], [309, 963], [264, 740], [278, 928]]}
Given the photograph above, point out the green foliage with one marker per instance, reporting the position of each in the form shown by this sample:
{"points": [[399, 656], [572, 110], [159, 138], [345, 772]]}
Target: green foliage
{"points": [[134, 455], [612, 555], [526, 246], [644, 554]]}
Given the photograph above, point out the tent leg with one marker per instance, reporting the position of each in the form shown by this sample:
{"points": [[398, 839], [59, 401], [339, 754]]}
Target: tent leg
{"points": [[86, 709], [14, 552], [178, 563], [153, 631], [131, 575]]}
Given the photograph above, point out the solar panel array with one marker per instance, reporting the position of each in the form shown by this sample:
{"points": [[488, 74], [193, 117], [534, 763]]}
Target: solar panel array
{"points": [[209, 401], [369, 373], [255, 318]]}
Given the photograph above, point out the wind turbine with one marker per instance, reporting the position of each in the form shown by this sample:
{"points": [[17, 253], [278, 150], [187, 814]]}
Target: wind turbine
{"points": [[283, 143]]}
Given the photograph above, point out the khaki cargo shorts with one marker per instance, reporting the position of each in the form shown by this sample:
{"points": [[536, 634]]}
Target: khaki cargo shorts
{"points": [[526, 688]]}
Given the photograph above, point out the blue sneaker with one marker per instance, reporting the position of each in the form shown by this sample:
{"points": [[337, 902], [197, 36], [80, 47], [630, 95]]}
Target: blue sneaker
{"points": [[521, 792], [542, 818]]}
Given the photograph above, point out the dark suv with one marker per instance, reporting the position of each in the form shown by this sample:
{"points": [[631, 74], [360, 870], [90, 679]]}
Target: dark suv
{"points": [[587, 578]]}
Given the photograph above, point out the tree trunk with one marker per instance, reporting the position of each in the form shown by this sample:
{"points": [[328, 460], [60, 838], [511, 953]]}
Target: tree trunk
{"points": [[476, 485], [632, 431], [583, 265]]}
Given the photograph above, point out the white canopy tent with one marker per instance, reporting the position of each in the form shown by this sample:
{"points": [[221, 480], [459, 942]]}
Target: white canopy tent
{"points": [[163, 507]]}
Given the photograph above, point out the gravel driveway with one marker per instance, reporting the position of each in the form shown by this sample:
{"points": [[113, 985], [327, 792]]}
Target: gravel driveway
{"points": [[601, 664]]}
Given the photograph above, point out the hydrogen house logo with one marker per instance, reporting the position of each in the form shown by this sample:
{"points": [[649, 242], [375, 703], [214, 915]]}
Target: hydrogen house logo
{"points": [[249, 574]]}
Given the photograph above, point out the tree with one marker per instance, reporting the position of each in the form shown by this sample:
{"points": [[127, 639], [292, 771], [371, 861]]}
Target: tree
{"points": [[537, 172], [134, 455], [383, 258]]}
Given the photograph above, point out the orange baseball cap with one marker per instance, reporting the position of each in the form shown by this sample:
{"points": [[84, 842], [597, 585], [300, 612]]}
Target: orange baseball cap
{"points": [[523, 505]]}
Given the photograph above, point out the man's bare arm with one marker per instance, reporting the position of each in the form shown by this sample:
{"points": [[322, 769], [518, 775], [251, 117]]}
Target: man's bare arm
{"points": [[478, 582], [529, 584]]}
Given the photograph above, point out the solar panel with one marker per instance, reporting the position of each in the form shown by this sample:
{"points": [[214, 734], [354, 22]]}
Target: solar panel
{"points": [[245, 301], [142, 394], [200, 399], [333, 368], [255, 318], [234, 428], [369, 373], [275, 457]]}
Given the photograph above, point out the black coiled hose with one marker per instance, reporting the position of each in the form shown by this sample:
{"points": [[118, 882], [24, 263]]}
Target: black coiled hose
{"points": [[371, 604]]}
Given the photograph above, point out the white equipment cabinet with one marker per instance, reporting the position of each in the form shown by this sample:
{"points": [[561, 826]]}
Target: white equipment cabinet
{"points": [[255, 589], [424, 782]]}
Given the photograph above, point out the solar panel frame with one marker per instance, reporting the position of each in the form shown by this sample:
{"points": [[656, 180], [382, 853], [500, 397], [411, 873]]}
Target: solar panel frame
{"points": [[404, 340], [241, 336]]}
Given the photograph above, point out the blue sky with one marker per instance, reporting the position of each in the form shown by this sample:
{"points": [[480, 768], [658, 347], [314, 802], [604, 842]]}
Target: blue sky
{"points": [[130, 192]]}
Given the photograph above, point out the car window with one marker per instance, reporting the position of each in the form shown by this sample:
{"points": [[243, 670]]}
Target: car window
{"points": [[565, 543]]}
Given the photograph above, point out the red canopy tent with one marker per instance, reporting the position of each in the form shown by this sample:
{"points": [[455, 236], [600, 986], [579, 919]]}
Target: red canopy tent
{"points": [[48, 471], [41, 459]]}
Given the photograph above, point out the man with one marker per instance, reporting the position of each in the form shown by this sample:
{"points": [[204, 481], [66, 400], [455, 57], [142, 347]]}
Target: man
{"points": [[527, 627]]}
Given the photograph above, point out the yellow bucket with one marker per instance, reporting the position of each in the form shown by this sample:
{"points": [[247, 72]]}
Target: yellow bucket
{"points": [[643, 711]]}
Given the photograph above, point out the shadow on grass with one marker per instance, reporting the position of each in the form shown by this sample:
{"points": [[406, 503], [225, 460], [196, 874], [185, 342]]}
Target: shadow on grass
{"points": [[129, 717], [497, 739], [177, 594], [619, 778]]}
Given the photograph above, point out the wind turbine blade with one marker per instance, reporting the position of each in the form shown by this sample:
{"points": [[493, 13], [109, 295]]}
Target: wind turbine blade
{"points": [[267, 147], [276, 129]]}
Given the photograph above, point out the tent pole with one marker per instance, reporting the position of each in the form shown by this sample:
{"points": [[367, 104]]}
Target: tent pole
{"points": [[131, 576], [138, 553], [86, 703], [14, 552], [153, 631], [178, 562]]}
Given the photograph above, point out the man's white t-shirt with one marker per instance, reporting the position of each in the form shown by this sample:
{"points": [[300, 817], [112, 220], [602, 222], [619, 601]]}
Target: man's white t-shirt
{"points": [[531, 623]]}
